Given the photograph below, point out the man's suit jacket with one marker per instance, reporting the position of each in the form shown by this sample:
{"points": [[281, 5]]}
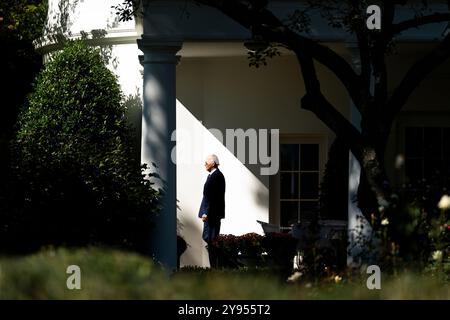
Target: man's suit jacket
{"points": [[213, 202]]}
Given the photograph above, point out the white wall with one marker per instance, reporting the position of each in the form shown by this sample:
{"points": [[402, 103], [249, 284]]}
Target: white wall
{"points": [[194, 143], [87, 15], [226, 93], [125, 64]]}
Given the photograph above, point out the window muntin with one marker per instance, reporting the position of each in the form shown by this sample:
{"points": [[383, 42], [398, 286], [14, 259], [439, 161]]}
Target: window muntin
{"points": [[299, 182]]}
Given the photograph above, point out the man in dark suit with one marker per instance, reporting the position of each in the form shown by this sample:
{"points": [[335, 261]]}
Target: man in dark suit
{"points": [[212, 208]]}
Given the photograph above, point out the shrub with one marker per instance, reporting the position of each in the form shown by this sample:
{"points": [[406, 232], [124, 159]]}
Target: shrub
{"points": [[248, 250], [227, 243], [250, 244], [78, 179], [105, 274], [21, 22], [226, 249], [181, 248], [416, 224], [412, 233], [112, 274]]}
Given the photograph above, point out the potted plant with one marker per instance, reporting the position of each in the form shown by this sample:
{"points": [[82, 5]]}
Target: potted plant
{"points": [[226, 246], [251, 249], [181, 248], [281, 249]]}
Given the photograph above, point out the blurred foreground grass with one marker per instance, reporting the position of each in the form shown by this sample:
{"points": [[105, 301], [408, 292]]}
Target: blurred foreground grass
{"points": [[109, 274]]}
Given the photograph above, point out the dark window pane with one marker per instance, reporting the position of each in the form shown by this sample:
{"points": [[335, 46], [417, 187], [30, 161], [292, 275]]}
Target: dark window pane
{"points": [[413, 169], [309, 185], [413, 142], [289, 185], [308, 210], [432, 142], [446, 144], [289, 213], [432, 168], [289, 157], [446, 149], [309, 157], [446, 170]]}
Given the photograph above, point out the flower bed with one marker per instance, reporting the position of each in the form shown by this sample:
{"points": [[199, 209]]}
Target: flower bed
{"points": [[254, 250], [281, 249]]}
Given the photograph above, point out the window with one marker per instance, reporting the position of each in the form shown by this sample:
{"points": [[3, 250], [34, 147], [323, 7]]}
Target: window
{"points": [[299, 182], [294, 190], [427, 153]]}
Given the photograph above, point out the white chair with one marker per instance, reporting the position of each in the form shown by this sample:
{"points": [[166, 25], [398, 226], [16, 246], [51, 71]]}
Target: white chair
{"points": [[269, 227]]}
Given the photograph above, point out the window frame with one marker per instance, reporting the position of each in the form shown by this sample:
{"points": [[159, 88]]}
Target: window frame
{"points": [[420, 119], [274, 181]]}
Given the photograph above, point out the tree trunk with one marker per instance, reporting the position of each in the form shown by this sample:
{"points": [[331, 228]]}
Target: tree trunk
{"points": [[374, 188]]}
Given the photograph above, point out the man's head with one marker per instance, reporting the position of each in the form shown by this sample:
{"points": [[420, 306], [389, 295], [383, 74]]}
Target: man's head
{"points": [[211, 162]]}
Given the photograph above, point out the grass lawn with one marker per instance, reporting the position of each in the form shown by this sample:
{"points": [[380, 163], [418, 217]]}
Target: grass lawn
{"points": [[111, 274]]}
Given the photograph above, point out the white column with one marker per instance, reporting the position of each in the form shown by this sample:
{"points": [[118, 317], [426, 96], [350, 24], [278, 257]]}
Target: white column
{"points": [[158, 123], [359, 228]]}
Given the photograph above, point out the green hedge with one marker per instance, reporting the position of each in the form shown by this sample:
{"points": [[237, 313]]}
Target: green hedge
{"points": [[76, 178], [275, 250], [110, 274]]}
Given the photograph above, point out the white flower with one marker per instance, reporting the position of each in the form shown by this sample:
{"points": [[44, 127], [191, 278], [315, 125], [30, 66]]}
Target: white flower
{"points": [[337, 279], [385, 222], [399, 161], [437, 255], [383, 203], [444, 203], [295, 276]]}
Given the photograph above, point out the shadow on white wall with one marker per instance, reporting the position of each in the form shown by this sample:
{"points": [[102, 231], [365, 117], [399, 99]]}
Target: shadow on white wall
{"points": [[242, 206]]}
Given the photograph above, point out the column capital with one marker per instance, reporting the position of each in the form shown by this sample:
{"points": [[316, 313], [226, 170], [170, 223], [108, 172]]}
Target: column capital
{"points": [[159, 50]]}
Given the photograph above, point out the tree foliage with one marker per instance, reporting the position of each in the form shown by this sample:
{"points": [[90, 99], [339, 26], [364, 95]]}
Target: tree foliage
{"points": [[21, 22], [23, 19]]}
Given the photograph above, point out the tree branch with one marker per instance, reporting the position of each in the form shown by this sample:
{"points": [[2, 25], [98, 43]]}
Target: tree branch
{"points": [[334, 120], [362, 37], [389, 13], [275, 31], [306, 50], [419, 21], [416, 74], [378, 54], [315, 102], [387, 22]]}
